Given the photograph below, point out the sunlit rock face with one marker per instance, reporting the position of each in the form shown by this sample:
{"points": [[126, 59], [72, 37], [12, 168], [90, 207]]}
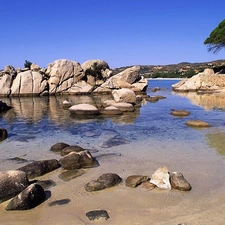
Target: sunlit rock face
{"points": [[206, 81]]}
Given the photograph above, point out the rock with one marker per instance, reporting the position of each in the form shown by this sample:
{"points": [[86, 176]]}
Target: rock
{"points": [[178, 181], [5, 84], [39, 168], [111, 110], [161, 178], [34, 67], [77, 160], [97, 214], [12, 182], [80, 87], [106, 180], [124, 95], [28, 83], [66, 104], [4, 107], [29, 198], [70, 174], [63, 74], [180, 113], [84, 109], [3, 134], [124, 107], [59, 202], [58, 147], [146, 185], [156, 89], [135, 180], [141, 85], [197, 123], [46, 184], [205, 81], [71, 148]]}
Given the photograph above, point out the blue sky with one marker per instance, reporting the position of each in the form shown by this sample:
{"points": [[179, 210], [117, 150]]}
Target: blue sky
{"points": [[121, 32]]}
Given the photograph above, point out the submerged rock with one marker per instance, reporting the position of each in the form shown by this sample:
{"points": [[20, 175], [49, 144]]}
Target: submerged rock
{"points": [[197, 123], [3, 134], [58, 147], [180, 113]]}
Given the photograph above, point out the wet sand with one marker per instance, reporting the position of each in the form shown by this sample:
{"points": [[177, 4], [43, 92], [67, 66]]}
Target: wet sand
{"points": [[200, 165]]}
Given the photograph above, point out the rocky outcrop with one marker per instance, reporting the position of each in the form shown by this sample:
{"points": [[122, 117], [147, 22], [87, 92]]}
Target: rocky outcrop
{"points": [[207, 81], [68, 77]]}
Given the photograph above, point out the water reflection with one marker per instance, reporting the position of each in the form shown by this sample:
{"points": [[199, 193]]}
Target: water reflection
{"points": [[37, 109], [216, 140], [206, 101]]}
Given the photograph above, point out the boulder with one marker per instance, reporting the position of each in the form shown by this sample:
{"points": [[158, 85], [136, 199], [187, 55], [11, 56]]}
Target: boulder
{"points": [[124, 107], [77, 160], [128, 76], [62, 75], [124, 95], [147, 186], [135, 180], [12, 182], [58, 147], [29, 198], [3, 134], [180, 113], [39, 168], [111, 110], [70, 174], [80, 87], [28, 83], [71, 148], [84, 109], [197, 123], [178, 181], [106, 180], [161, 178], [5, 84]]}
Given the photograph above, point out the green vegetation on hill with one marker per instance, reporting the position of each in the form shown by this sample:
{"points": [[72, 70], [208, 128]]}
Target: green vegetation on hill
{"points": [[181, 70]]}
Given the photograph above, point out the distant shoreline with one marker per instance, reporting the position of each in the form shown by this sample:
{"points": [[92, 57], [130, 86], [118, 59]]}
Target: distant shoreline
{"points": [[166, 78]]}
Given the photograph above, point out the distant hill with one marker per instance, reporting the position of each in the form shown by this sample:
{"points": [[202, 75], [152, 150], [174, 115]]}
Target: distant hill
{"points": [[181, 70]]}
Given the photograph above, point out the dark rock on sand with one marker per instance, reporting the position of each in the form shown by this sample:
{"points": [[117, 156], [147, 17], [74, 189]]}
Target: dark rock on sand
{"points": [[12, 182], [29, 198], [97, 214], [71, 148], [106, 180], [58, 147], [77, 160], [60, 202], [3, 134], [135, 180], [178, 181], [46, 184], [39, 168]]}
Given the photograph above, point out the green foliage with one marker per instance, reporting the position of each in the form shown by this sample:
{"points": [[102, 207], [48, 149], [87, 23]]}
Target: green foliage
{"points": [[27, 64], [216, 40], [95, 71]]}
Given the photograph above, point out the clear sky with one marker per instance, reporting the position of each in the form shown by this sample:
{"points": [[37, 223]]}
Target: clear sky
{"points": [[121, 32]]}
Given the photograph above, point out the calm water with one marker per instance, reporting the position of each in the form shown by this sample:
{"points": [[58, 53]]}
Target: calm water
{"points": [[35, 124]]}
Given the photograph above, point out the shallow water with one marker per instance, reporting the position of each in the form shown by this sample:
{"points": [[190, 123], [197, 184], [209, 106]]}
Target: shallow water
{"points": [[134, 143]]}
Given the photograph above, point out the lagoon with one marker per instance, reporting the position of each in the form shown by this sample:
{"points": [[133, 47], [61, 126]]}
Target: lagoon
{"points": [[134, 143]]}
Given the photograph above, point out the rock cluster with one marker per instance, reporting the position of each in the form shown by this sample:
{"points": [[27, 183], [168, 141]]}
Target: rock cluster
{"points": [[206, 82], [68, 77], [26, 193]]}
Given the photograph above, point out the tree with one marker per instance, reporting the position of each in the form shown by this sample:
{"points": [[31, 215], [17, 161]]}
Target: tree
{"points": [[216, 40], [27, 64]]}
